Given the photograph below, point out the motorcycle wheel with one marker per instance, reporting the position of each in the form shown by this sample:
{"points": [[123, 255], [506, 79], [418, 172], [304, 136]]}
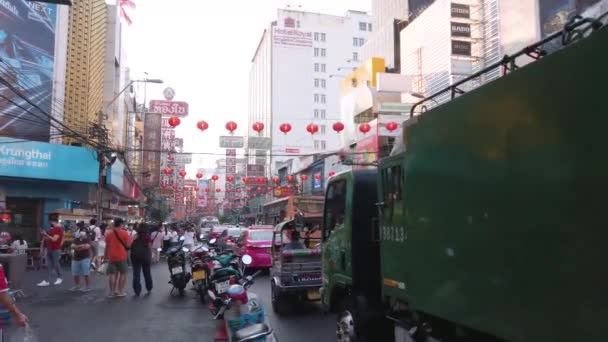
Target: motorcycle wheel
{"points": [[202, 292], [182, 291]]}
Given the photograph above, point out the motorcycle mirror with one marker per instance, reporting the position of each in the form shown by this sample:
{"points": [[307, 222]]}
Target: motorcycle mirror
{"points": [[247, 259], [159, 249], [185, 249], [205, 249], [182, 238], [202, 236], [212, 241]]}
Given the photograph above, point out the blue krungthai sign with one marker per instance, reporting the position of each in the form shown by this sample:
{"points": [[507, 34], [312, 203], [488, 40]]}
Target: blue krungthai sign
{"points": [[30, 159]]}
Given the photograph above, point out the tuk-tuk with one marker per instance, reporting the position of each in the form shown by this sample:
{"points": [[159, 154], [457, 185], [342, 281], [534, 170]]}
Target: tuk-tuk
{"points": [[296, 268]]}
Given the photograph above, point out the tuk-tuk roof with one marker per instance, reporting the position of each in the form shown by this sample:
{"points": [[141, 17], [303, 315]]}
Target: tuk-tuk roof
{"points": [[279, 227]]}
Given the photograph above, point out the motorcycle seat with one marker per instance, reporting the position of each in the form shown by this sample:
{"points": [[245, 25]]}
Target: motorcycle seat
{"points": [[252, 332]]}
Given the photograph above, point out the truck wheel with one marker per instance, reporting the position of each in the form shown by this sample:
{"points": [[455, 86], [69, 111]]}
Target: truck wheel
{"points": [[354, 322], [279, 300], [345, 329]]}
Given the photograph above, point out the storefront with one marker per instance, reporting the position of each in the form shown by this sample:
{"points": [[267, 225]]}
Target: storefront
{"points": [[120, 198], [37, 179]]}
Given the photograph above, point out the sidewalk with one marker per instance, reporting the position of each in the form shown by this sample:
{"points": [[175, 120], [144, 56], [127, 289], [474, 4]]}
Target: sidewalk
{"points": [[57, 314]]}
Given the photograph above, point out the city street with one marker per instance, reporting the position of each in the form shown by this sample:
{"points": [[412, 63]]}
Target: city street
{"points": [[58, 315]]}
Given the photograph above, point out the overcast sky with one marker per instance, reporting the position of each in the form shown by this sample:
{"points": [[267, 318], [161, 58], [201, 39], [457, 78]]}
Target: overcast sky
{"points": [[203, 49]]}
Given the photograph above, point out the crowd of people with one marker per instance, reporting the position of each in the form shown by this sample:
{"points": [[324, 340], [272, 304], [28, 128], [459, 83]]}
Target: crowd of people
{"points": [[111, 249]]}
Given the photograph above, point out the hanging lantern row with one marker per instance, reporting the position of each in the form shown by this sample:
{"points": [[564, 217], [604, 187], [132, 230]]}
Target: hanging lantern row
{"points": [[285, 128], [199, 175], [258, 127]]}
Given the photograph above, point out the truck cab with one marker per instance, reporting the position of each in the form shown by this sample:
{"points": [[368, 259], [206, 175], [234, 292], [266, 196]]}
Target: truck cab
{"points": [[351, 258]]}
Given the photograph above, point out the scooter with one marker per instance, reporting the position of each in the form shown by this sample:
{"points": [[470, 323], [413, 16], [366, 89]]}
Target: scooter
{"points": [[176, 260], [242, 315], [199, 266], [225, 272]]}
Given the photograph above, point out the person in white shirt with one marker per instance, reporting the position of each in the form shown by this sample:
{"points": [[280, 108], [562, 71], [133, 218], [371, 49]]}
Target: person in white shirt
{"points": [[19, 246], [189, 238], [157, 240], [174, 235], [95, 243], [166, 238]]}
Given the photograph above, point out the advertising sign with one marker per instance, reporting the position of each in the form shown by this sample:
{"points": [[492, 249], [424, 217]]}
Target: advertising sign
{"points": [[191, 183], [461, 48], [27, 52], [47, 161], [283, 191], [388, 107], [229, 141], [151, 146], [291, 38], [554, 14], [461, 30], [255, 170], [171, 108], [461, 11], [259, 143], [183, 158]]}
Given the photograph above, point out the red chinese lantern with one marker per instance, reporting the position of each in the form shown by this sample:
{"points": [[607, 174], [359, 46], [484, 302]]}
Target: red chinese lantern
{"points": [[196, 189], [174, 121], [199, 175], [254, 195], [164, 185], [312, 128], [331, 174], [202, 125], [261, 180], [231, 126], [317, 177], [391, 126], [290, 178], [285, 128], [249, 189], [215, 177], [338, 127], [269, 188], [238, 191], [230, 178], [258, 127], [175, 187], [170, 158], [245, 179], [276, 180], [182, 174], [207, 190], [303, 177], [218, 190], [5, 217], [228, 191], [364, 128]]}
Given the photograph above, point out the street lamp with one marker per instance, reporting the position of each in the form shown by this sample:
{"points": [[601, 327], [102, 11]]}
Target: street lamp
{"points": [[145, 80]]}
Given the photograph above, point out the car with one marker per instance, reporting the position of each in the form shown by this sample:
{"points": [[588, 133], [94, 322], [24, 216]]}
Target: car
{"points": [[256, 242], [228, 238], [216, 231]]}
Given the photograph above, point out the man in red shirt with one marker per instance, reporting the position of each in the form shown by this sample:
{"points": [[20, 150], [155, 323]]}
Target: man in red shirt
{"points": [[117, 242], [53, 241], [7, 303]]}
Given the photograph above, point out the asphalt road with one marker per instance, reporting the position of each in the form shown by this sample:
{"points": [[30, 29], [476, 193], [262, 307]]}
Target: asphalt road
{"points": [[58, 315]]}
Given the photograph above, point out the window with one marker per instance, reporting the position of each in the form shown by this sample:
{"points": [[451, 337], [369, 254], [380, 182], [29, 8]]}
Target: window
{"points": [[322, 113], [316, 113], [335, 208], [323, 83], [323, 98], [316, 144], [316, 83], [355, 56], [361, 41], [362, 26], [391, 184], [355, 42], [323, 145], [322, 67], [323, 52], [316, 97], [323, 129], [316, 67], [369, 27], [316, 52], [316, 36], [323, 37]]}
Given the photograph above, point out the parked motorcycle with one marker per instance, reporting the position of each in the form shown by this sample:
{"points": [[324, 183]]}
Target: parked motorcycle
{"points": [[199, 266], [176, 260], [225, 271], [242, 312]]}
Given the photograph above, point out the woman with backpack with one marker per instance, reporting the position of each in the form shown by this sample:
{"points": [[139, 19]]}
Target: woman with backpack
{"points": [[141, 258]]}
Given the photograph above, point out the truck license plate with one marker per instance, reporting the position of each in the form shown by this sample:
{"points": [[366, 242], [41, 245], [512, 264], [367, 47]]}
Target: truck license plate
{"points": [[176, 270], [222, 287]]}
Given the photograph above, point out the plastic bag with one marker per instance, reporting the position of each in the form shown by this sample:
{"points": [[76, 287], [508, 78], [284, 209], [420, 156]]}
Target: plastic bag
{"points": [[19, 334]]}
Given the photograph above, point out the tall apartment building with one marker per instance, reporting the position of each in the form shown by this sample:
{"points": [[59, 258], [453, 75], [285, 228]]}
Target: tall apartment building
{"points": [[295, 76], [84, 79]]}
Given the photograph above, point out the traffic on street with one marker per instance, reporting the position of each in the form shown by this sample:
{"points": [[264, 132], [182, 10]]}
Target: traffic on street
{"points": [[345, 170]]}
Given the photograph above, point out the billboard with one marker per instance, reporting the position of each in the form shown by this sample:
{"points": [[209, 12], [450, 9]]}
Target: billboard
{"points": [[291, 38], [152, 147], [255, 170], [259, 143], [172, 108], [27, 57], [555, 13]]}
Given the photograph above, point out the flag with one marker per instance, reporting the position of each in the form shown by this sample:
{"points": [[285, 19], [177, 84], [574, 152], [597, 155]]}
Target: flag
{"points": [[123, 4]]}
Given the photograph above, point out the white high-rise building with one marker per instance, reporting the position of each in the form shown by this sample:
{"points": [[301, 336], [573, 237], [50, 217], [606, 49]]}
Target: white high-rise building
{"points": [[295, 77]]}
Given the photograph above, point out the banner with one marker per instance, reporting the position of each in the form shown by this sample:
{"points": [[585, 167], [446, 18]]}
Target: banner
{"points": [[229, 141], [461, 48], [27, 52], [460, 30], [152, 147], [461, 11]]}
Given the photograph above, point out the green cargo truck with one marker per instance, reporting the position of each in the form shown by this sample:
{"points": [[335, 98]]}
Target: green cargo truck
{"points": [[490, 225]]}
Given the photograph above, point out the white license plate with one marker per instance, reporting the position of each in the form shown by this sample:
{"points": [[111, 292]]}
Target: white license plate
{"points": [[176, 270], [222, 287]]}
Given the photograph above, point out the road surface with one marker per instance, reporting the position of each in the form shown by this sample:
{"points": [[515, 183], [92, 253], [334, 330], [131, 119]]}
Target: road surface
{"points": [[58, 315]]}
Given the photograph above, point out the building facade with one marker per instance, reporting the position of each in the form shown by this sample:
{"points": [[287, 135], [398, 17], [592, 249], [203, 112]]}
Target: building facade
{"points": [[294, 78], [84, 81]]}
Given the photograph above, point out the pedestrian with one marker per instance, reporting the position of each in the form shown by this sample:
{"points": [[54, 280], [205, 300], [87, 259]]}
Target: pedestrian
{"points": [[7, 303], [101, 250], [53, 242], [166, 238], [157, 240], [95, 243], [19, 246], [141, 258], [81, 260], [117, 240], [174, 236], [189, 238]]}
